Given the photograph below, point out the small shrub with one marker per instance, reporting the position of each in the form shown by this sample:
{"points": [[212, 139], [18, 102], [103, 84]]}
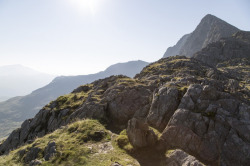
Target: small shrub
{"points": [[123, 141]]}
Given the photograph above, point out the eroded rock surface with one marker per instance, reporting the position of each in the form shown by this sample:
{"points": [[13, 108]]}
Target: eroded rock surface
{"points": [[204, 124], [181, 158], [139, 134]]}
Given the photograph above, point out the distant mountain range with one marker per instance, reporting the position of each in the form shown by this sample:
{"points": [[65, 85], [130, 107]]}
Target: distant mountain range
{"points": [[18, 80], [209, 30], [17, 109]]}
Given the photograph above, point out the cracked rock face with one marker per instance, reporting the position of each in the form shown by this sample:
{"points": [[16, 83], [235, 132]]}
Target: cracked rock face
{"points": [[139, 134], [237, 46], [212, 130], [164, 103]]}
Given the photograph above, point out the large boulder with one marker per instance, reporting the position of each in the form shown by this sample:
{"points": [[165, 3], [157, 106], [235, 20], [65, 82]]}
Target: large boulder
{"points": [[139, 134]]}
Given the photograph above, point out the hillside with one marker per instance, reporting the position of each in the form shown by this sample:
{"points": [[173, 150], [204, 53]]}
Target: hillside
{"points": [[14, 111], [209, 30], [176, 111], [18, 80]]}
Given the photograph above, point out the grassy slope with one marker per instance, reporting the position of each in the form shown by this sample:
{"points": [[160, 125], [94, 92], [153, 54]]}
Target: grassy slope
{"points": [[76, 145]]}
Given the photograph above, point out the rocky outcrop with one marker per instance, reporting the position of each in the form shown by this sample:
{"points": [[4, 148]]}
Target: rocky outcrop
{"points": [[204, 124], [35, 162], [113, 100], [179, 157], [209, 30], [30, 155], [50, 150], [164, 104], [140, 135], [209, 113], [237, 46]]}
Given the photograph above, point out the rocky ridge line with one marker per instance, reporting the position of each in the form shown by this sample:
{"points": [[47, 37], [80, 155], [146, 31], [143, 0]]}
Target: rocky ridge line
{"points": [[209, 30]]}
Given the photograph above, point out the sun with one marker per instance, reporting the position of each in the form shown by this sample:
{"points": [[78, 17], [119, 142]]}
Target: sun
{"points": [[86, 5]]}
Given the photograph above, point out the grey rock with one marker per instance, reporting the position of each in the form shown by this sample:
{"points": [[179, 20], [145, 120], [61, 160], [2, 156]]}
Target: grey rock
{"points": [[164, 103], [35, 162], [116, 164], [181, 158], [50, 150], [235, 150], [124, 102], [21, 153], [209, 131], [225, 49], [25, 130], [11, 142], [32, 154], [139, 134]]}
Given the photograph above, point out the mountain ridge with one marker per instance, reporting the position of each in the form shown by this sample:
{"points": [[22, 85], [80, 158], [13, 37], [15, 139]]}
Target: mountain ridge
{"points": [[18, 109], [210, 29], [19, 80]]}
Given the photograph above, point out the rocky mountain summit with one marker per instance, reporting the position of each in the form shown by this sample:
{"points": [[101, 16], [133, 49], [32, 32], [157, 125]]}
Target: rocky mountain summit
{"points": [[209, 30]]}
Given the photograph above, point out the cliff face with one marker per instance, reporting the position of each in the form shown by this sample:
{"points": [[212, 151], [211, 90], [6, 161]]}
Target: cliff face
{"points": [[209, 30]]}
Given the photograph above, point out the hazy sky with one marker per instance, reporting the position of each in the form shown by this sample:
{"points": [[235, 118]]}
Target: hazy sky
{"points": [[69, 37]]}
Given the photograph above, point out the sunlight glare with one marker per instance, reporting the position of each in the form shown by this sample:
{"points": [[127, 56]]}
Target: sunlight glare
{"points": [[86, 5]]}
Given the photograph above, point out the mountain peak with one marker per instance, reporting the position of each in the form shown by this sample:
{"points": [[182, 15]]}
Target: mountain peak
{"points": [[210, 21], [210, 29], [210, 17]]}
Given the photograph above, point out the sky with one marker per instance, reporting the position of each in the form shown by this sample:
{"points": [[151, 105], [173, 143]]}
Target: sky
{"points": [[76, 37]]}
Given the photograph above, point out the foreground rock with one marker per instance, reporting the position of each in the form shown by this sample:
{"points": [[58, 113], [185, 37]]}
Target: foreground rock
{"points": [[164, 104], [211, 125], [140, 135], [179, 157]]}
